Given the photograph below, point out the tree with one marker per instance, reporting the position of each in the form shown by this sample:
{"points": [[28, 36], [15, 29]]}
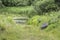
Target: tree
{"points": [[42, 6]]}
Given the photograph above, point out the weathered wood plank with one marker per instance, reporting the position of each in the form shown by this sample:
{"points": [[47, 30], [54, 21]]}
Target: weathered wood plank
{"points": [[21, 20]]}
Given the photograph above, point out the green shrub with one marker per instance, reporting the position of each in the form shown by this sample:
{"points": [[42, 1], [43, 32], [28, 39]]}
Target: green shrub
{"points": [[57, 2], [34, 20], [45, 6], [17, 2]]}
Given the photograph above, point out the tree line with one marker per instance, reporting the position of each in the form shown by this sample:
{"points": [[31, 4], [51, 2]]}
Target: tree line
{"points": [[40, 6]]}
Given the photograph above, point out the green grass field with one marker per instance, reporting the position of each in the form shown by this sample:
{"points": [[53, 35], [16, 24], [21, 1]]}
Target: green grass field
{"points": [[9, 30]]}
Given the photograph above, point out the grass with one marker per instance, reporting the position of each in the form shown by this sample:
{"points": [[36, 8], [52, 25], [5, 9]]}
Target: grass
{"points": [[24, 11], [13, 31]]}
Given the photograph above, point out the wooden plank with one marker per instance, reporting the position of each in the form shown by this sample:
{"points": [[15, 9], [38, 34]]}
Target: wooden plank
{"points": [[21, 20]]}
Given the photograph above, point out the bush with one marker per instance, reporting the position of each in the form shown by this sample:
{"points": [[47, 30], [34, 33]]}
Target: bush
{"points": [[45, 6], [34, 20], [57, 2], [17, 2]]}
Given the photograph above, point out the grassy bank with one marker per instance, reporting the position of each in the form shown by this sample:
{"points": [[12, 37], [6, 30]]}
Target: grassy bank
{"points": [[9, 30], [29, 20]]}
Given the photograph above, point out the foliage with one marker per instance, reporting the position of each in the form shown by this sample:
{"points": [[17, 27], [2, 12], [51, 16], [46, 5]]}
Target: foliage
{"points": [[57, 2], [45, 6], [13, 31], [24, 11], [17, 2], [9, 30], [34, 20]]}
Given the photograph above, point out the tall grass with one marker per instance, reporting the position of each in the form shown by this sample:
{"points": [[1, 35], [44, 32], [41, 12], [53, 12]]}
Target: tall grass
{"points": [[9, 30], [27, 11], [29, 32]]}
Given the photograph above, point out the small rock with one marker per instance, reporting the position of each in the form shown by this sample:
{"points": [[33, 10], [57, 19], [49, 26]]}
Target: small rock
{"points": [[44, 25]]}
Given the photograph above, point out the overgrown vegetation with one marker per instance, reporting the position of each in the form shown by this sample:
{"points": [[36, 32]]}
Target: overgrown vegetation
{"points": [[45, 6], [17, 2], [41, 13]]}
